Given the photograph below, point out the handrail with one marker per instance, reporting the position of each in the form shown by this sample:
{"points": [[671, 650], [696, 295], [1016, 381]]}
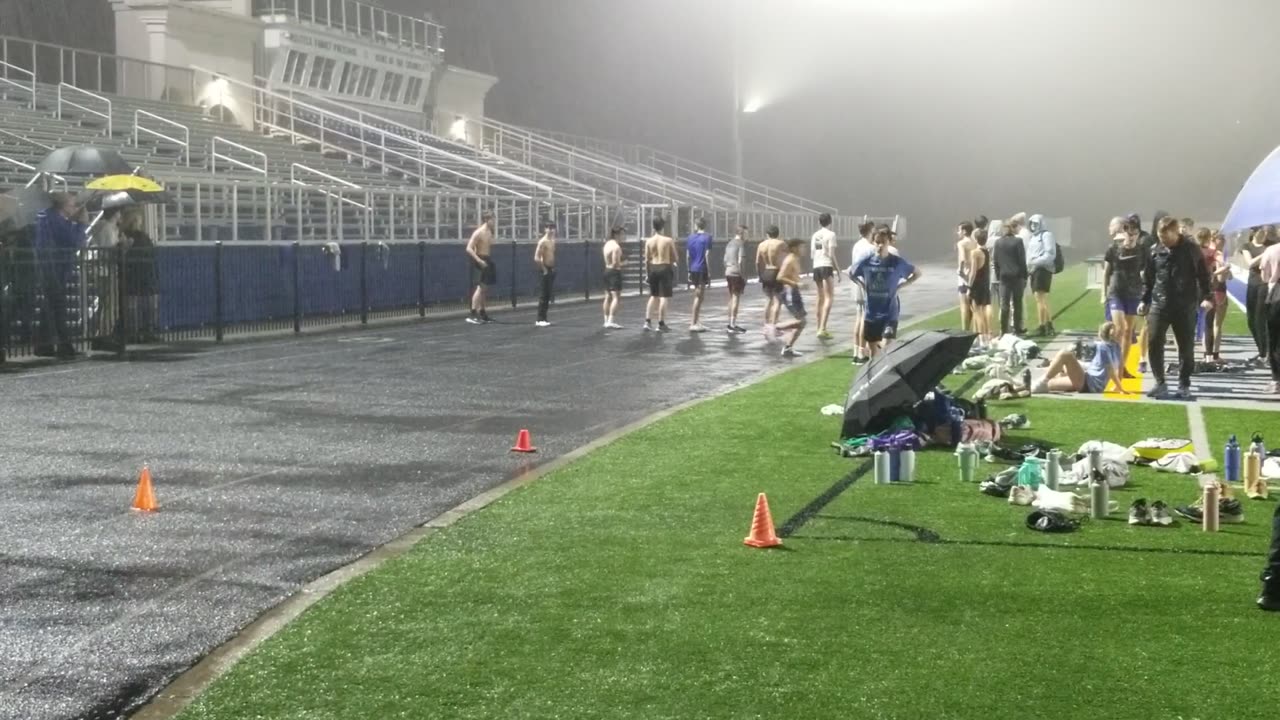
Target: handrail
{"points": [[185, 142], [663, 188], [214, 156], [293, 180], [678, 163], [359, 122], [432, 33], [8, 67], [32, 168], [120, 68], [27, 140], [433, 140], [299, 166], [421, 162], [61, 101]]}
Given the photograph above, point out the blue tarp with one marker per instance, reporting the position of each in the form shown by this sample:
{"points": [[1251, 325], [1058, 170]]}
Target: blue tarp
{"points": [[1259, 200]]}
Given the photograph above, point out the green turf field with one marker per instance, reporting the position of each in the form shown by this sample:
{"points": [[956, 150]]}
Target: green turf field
{"points": [[1075, 308], [619, 587]]}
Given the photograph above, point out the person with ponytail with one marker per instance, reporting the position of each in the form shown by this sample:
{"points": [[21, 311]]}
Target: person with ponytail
{"points": [[1067, 375]]}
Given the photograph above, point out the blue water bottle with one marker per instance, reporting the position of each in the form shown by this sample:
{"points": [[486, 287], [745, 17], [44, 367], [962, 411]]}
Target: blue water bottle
{"points": [[1231, 460]]}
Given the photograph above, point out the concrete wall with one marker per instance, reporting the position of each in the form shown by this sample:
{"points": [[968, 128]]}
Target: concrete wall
{"points": [[220, 42]]}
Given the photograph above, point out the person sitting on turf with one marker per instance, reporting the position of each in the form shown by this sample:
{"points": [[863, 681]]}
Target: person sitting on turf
{"points": [[1067, 375]]}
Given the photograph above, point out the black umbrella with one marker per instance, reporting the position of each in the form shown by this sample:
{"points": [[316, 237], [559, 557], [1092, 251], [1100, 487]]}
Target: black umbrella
{"points": [[85, 160], [892, 383]]}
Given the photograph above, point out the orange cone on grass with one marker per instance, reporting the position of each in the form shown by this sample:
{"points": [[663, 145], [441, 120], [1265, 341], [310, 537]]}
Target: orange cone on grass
{"points": [[524, 443], [762, 534], [145, 497]]}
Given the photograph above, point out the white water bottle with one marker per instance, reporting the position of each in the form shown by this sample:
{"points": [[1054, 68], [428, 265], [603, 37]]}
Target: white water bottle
{"points": [[882, 467], [907, 466]]}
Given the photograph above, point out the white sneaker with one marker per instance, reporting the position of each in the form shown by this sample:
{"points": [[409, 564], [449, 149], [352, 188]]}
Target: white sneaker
{"points": [[613, 326], [699, 328], [1160, 514], [791, 352], [543, 323], [474, 321]]}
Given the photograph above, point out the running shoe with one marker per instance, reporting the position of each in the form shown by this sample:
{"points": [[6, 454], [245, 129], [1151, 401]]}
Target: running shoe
{"points": [[1269, 599], [484, 317], [698, 328], [1229, 511], [474, 321], [825, 335], [542, 323], [1142, 366], [1159, 391], [1184, 392], [1160, 514], [730, 329], [1139, 514], [739, 329], [791, 352], [662, 327], [1050, 521], [648, 326]]}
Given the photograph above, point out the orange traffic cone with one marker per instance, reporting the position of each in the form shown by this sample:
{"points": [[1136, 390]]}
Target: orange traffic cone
{"points": [[145, 498], [762, 535], [524, 444]]}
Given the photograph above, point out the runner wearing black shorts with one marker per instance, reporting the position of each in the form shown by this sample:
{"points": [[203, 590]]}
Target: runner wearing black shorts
{"points": [[483, 273], [768, 259], [613, 276], [660, 257]]}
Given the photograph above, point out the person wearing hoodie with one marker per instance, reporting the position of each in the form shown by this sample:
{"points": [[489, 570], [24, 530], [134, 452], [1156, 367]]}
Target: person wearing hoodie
{"points": [[1176, 281], [1042, 250], [1148, 243], [1009, 263]]}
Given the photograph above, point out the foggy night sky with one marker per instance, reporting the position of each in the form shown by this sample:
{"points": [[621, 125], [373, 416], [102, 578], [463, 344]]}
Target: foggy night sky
{"points": [[1087, 108]]}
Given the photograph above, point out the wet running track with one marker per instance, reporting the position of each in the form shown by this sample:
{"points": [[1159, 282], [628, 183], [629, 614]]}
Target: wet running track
{"points": [[277, 461]]}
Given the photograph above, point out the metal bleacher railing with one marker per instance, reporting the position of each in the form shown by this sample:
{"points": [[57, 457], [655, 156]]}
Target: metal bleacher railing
{"points": [[360, 19]]}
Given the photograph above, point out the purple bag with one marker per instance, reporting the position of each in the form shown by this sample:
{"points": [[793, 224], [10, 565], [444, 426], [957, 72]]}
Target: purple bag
{"points": [[900, 440]]}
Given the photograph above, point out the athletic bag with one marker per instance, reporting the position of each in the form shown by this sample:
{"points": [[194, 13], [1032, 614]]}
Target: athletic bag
{"points": [[1059, 262]]}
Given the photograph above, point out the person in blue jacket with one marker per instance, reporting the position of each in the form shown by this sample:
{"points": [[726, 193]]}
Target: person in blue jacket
{"points": [[60, 233]]}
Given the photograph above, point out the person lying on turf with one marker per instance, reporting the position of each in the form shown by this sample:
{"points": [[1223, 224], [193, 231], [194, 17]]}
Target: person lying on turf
{"points": [[1067, 375]]}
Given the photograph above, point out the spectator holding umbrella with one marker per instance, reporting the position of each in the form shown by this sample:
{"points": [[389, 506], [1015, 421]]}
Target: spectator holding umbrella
{"points": [[60, 232]]}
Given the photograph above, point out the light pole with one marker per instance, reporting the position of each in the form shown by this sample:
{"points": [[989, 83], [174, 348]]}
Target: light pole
{"points": [[736, 124]]}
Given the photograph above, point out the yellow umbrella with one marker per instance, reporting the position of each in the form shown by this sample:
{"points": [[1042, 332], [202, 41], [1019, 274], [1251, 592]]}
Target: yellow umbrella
{"points": [[125, 182]]}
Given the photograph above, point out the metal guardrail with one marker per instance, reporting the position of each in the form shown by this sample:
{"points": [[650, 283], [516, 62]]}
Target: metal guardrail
{"points": [[65, 89], [184, 142], [26, 140], [424, 137], [529, 148], [30, 87], [360, 19], [99, 72], [269, 107]]}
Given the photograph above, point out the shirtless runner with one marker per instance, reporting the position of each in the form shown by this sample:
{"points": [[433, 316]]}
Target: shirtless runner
{"points": [[769, 258], [660, 258], [613, 277], [483, 273], [544, 257], [789, 294]]}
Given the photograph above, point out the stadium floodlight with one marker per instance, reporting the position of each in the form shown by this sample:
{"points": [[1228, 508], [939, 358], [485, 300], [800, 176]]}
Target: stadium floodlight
{"points": [[753, 105]]}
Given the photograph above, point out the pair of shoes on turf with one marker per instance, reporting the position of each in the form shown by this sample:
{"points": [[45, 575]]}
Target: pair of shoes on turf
{"points": [[1051, 521], [1157, 513], [1229, 511], [1001, 484]]}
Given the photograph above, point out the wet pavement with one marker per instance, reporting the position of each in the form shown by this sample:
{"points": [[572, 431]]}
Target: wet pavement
{"points": [[276, 462]]}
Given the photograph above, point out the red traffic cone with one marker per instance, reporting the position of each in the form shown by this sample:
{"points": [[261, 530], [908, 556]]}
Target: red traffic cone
{"points": [[524, 444], [762, 535]]}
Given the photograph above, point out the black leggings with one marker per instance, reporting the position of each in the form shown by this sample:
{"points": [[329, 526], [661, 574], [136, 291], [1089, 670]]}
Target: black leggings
{"points": [[1182, 320], [1255, 306], [1273, 338]]}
